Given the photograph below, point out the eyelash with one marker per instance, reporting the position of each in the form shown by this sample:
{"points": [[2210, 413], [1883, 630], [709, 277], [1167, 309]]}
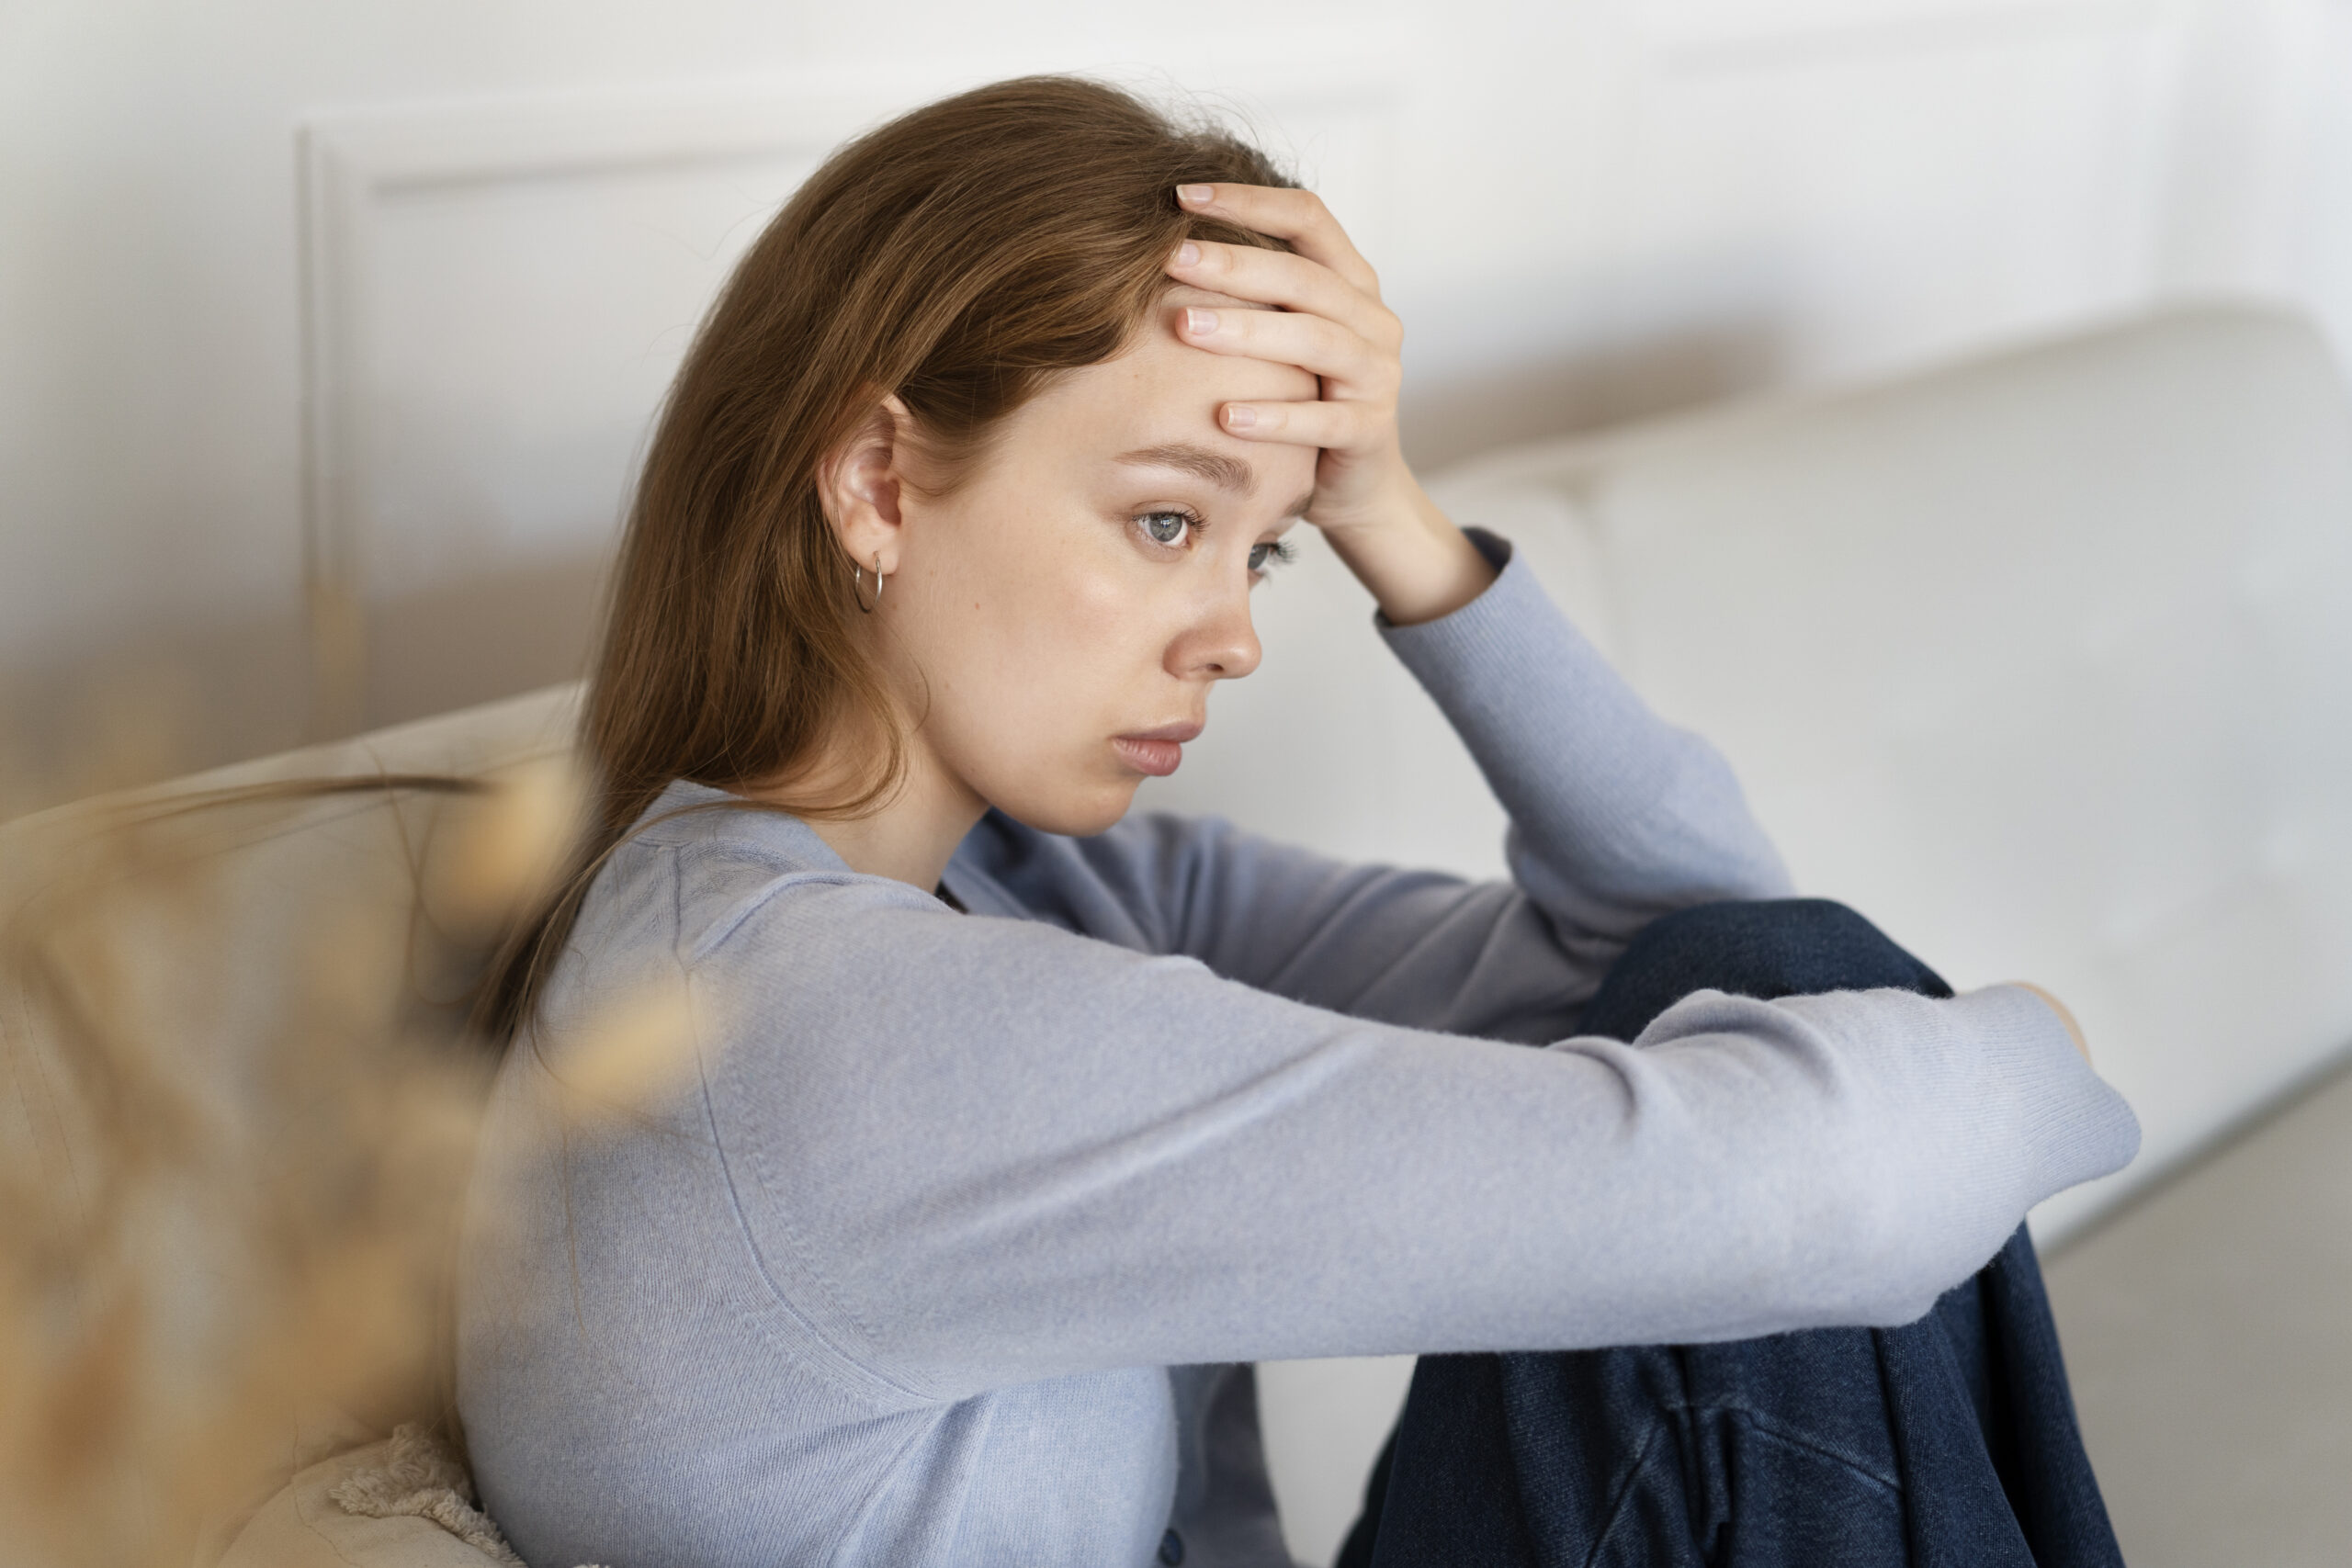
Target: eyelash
{"points": [[1276, 552]]}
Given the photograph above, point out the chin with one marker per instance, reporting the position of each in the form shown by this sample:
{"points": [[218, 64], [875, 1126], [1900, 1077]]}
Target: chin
{"points": [[1073, 812]]}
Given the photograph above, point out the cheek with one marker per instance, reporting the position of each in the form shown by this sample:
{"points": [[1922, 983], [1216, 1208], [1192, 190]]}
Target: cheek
{"points": [[1028, 651], [1050, 665]]}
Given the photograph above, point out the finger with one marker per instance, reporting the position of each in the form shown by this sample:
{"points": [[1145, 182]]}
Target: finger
{"points": [[1337, 427], [1298, 215], [2065, 1015], [1291, 281], [1314, 344]]}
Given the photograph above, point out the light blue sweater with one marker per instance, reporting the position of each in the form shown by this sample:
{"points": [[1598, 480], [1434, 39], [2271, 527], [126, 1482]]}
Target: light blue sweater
{"points": [[947, 1252]]}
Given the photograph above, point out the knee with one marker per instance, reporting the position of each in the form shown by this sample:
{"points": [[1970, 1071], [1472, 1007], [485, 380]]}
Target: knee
{"points": [[1767, 949], [1764, 927], [1774, 947]]}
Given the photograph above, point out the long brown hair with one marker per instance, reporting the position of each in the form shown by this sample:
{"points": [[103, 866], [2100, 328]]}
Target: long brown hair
{"points": [[958, 257]]}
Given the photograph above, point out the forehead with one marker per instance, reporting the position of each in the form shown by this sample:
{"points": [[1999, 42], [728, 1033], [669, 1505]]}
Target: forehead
{"points": [[1162, 388]]}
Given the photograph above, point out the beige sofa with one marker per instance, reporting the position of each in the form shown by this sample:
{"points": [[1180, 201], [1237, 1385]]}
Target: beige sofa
{"points": [[2044, 660]]}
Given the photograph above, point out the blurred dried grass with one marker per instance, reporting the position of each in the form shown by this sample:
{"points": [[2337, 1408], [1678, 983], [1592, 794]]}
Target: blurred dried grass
{"points": [[242, 1126]]}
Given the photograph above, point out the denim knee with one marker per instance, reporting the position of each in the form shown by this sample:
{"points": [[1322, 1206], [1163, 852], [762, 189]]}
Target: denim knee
{"points": [[1766, 948], [1772, 928]]}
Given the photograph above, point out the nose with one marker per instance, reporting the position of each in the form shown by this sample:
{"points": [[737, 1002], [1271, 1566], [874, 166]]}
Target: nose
{"points": [[1220, 644]]}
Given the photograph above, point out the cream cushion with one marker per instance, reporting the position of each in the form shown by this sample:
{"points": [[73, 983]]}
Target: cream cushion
{"points": [[249, 886], [304, 1524], [205, 956]]}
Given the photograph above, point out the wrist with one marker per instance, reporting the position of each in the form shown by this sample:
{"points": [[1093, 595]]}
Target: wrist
{"points": [[1415, 562]]}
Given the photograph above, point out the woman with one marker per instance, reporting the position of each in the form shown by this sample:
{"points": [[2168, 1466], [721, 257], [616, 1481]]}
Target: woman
{"points": [[1016, 1125]]}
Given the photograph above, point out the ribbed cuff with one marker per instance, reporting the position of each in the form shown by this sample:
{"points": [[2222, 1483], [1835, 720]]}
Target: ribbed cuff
{"points": [[1477, 629], [2075, 1127]]}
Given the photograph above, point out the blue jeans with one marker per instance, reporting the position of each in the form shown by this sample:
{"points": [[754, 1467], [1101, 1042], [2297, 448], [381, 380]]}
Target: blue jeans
{"points": [[1948, 1443]]}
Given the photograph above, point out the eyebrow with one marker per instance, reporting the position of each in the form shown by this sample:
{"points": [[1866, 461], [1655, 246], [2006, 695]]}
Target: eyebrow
{"points": [[1226, 473]]}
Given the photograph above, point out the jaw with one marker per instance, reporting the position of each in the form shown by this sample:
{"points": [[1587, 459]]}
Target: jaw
{"points": [[1075, 813]]}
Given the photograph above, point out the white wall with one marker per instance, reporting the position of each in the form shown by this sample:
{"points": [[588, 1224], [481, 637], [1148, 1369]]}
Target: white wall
{"points": [[1585, 210]]}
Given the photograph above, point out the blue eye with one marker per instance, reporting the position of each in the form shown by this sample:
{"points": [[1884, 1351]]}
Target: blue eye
{"points": [[1271, 552], [1165, 527]]}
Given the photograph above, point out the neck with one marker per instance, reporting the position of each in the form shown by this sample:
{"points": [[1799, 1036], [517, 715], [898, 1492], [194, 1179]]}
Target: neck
{"points": [[914, 833]]}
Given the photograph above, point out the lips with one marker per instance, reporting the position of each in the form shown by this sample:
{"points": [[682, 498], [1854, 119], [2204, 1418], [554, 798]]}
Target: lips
{"points": [[1155, 752]]}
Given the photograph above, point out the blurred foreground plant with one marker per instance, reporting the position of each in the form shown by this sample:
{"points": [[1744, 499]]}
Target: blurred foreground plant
{"points": [[240, 1121]]}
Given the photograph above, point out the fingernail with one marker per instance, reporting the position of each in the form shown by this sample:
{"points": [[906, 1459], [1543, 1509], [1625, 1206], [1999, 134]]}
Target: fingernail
{"points": [[1239, 416], [1196, 196], [1188, 255], [1199, 323]]}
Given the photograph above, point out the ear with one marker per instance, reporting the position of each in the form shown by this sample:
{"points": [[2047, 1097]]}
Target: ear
{"points": [[862, 482]]}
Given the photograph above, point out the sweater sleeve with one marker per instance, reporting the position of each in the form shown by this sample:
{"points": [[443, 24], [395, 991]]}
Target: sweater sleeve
{"points": [[971, 1152], [1616, 817]]}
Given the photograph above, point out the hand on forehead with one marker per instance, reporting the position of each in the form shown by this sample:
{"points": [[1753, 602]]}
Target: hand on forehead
{"points": [[1285, 381], [1186, 294]]}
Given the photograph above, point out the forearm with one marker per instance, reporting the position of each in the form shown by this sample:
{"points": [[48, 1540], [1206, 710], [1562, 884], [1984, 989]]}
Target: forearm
{"points": [[1618, 815], [1083, 1160]]}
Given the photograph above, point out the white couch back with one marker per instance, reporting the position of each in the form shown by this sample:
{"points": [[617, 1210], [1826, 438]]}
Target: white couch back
{"points": [[2043, 662]]}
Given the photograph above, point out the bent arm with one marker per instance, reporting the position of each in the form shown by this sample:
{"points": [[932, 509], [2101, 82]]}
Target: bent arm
{"points": [[1616, 819], [983, 1152]]}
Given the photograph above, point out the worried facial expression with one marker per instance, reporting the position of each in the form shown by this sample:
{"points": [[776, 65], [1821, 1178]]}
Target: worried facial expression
{"points": [[1054, 623]]}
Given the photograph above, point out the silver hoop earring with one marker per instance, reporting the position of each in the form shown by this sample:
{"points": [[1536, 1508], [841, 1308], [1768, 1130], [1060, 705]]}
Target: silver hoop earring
{"points": [[858, 593]]}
